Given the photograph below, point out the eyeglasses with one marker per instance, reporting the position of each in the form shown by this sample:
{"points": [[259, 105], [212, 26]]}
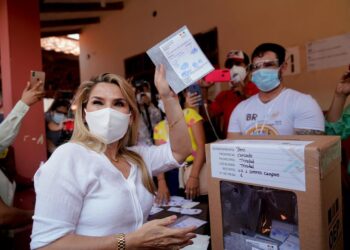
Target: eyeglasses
{"points": [[264, 64]]}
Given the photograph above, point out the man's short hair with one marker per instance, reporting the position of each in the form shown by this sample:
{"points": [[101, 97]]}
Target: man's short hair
{"points": [[279, 50], [236, 55]]}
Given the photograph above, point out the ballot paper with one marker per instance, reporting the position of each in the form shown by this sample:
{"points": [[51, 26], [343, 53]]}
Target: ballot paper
{"points": [[155, 210], [281, 230], [189, 211], [189, 204], [175, 201], [291, 243], [184, 61], [175, 209], [199, 243], [178, 201], [187, 221]]}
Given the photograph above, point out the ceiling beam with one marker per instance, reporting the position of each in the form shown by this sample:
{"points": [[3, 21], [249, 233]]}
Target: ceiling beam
{"points": [[79, 7], [69, 22], [60, 32]]}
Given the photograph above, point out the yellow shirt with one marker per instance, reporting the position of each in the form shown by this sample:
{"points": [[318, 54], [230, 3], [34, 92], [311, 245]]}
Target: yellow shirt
{"points": [[161, 130]]}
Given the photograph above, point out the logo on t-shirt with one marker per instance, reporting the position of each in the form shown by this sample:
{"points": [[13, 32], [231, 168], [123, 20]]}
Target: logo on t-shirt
{"points": [[251, 117], [262, 129]]}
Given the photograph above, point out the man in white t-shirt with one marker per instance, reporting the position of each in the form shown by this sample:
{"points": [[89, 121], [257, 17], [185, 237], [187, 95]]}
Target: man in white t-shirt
{"points": [[275, 110]]}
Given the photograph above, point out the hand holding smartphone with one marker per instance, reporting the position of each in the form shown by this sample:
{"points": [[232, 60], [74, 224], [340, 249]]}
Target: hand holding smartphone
{"points": [[218, 75], [36, 76], [195, 90]]}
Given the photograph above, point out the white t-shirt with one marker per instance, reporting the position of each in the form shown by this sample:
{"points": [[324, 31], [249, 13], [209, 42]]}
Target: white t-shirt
{"points": [[80, 191], [288, 111]]}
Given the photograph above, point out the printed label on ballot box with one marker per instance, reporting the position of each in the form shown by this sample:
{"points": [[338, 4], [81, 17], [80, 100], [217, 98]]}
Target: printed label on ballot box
{"points": [[273, 163]]}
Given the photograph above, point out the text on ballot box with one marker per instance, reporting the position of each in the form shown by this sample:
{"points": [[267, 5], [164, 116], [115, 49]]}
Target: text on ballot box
{"points": [[274, 163]]}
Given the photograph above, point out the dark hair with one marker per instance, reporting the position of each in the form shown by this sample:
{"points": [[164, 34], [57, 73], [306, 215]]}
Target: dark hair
{"points": [[140, 84], [229, 61], [60, 103], [273, 47]]}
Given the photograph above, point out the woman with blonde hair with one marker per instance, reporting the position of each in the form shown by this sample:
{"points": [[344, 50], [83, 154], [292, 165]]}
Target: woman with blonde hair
{"points": [[96, 191]]}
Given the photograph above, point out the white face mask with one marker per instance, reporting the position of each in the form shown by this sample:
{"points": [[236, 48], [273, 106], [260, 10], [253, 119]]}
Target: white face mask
{"points": [[108, 124], [161, 105], [238, 74]]}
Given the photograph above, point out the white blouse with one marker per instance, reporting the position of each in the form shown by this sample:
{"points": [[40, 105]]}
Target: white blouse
{"points": [[80, 191]]}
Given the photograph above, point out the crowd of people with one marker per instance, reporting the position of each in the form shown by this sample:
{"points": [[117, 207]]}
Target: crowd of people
{"points": [[131, 147]]}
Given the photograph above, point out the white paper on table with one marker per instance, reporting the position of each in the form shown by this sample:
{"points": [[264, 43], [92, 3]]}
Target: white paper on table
{"points": [[187, 221], [176, 201], [190, 211], [262, 244], [183, 59], [175, 209], [189, 204], [291, 243], [199, 243], [155, 210]]}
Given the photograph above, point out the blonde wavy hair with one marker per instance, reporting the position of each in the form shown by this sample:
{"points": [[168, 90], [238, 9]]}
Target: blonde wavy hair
{"points": [[82, 135]]}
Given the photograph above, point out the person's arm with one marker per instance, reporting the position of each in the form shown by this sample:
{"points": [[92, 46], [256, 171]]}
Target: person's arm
{"points": [[192, 185], [61, 187], [339, 98], [9, 128], [11, 124], [163, 194], [302, 131], [335, 110], [155, 234], [308, 116], [178, 134], [11, 217]]}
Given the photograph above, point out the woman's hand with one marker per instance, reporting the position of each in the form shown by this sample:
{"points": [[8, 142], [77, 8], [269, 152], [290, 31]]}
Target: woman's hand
{"points": [[163, 194], [346, 77], [343, 88], [157, 234], [33, 94], [161, 83], [192, 187], [192, 99]]}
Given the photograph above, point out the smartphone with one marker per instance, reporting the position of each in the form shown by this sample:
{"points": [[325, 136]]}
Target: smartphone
{"points": [[195, 89], [36, 76], [218, 75]]}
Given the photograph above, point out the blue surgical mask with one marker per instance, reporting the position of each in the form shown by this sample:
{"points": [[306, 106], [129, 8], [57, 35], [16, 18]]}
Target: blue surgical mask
{"points": [[58, 117], [266, 79]]}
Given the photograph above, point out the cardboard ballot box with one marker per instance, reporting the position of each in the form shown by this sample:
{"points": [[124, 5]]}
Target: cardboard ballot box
{"points": [[275, 193]]}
